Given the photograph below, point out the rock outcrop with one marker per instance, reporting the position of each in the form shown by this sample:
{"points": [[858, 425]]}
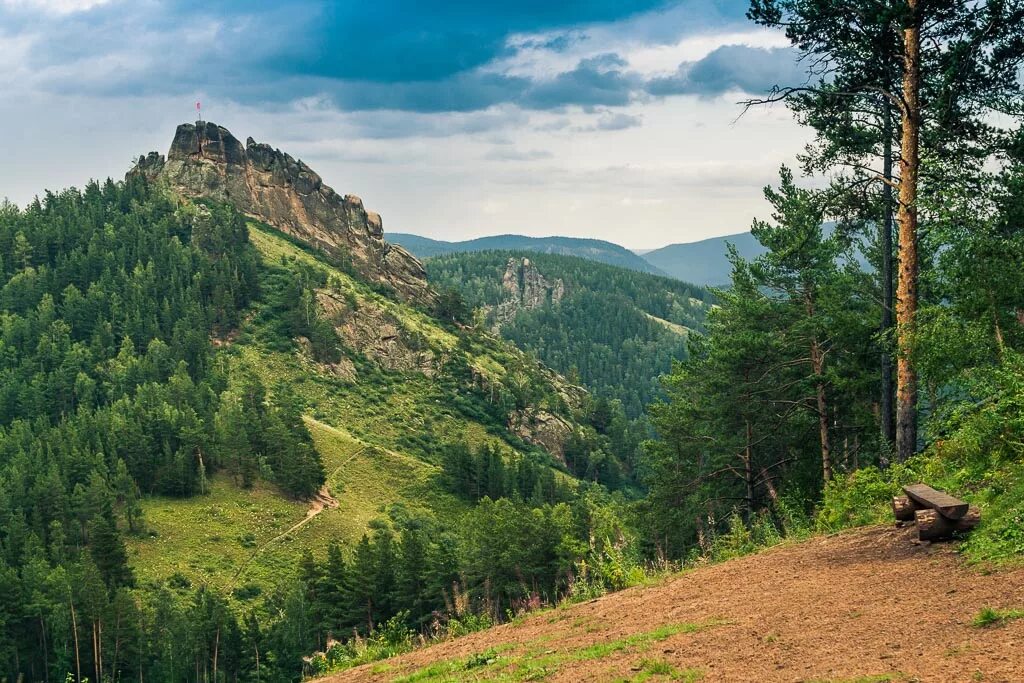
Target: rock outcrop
{"points": [[377, 335], [525, 288], [207, 161], [541, 428]]}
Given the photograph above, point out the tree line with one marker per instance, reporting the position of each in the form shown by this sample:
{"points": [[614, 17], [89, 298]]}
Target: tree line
{"points": [[815, 366]]}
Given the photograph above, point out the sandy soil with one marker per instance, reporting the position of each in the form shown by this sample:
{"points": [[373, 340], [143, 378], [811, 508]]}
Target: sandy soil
{"points": [[863, 603]]}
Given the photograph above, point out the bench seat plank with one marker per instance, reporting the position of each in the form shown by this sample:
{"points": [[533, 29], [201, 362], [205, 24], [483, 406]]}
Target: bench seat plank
{"points": [[943, 503]]}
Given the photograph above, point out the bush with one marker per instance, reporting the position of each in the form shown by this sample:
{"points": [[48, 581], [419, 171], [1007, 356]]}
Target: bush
{"points": [[736, 542], [392, 638], [859, 498]]}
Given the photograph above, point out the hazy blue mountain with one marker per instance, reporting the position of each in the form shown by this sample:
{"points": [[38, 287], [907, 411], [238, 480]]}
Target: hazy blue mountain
{"points": [[594, 250], [703, 262]]}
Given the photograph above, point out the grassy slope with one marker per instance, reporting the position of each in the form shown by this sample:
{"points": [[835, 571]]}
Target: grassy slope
{"points": [[377, 436]]}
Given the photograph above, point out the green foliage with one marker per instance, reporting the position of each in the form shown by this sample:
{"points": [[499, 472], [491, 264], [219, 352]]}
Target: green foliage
{"points": [[862, 497], [490, 472], [989, 616], [616, 330], [110, 388]]}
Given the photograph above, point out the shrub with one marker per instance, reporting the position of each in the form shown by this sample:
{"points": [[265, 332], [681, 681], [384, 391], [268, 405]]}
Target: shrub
{"points": [[736, 542], [247, 592]]}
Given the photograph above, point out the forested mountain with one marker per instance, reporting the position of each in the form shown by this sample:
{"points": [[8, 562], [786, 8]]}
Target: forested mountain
{"points": [[705, 262], [594, 250], [232, 429], [616, 330], [244, 438]]}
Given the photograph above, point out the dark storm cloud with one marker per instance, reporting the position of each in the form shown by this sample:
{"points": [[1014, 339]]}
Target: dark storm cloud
{"points": [[422, 57], [732, 67]]}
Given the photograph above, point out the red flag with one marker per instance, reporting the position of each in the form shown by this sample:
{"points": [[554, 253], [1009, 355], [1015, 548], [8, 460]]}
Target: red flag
{"points": [[197, 106]]}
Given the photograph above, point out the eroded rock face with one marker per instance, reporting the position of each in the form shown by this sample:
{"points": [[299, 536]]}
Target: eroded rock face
{"points": [[375, 333], [207, 161], [543, 429], [525, 288]]}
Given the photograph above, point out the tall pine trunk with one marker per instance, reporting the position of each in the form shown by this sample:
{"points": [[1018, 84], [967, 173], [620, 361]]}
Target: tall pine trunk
{"points": [[818, 368], [906, 300], [74, 630], [888, 423]]}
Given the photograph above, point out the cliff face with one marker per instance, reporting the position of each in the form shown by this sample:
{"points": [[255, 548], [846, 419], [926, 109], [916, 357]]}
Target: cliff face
{"points": [[525, 288], [207, 161]]}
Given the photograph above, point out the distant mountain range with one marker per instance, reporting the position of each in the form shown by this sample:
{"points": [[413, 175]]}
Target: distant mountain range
{"points": [[594, 250], [702, 263]]}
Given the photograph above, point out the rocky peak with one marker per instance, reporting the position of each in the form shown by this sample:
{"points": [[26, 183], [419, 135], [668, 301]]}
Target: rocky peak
{"points": [[206, 161], [525, 288]]}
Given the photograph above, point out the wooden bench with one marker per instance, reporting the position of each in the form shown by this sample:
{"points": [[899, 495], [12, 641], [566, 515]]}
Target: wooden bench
{"points": [[937, 514]]}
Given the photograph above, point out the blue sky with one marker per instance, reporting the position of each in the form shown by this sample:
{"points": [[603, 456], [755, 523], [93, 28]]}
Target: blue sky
{"points": [[605, 119]]}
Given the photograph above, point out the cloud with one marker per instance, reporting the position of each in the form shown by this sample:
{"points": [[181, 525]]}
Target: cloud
{"points": [[618, 121], [595, 81], [428, 57], [385, 41], [51, 6], [753, 70], [391, 124], [506, 154]]}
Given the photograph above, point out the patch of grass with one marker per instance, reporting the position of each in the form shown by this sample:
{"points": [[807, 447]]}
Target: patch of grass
{"points": [[450, 670], [658, 669], [364, 480], [640, 640], [991, 616], [537, 664], [181, 547]]}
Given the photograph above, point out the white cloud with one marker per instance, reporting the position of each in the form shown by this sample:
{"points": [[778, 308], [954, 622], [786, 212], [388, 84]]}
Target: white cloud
{"points": [[53, 6]]}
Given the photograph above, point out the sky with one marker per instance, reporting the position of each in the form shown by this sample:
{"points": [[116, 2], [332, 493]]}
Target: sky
{"points": [[611, 119]]}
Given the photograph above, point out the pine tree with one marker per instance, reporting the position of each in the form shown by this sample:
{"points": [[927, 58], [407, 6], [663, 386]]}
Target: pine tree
{"points": [[108, 552], [956, 64], [336, 593], [363, 580]]}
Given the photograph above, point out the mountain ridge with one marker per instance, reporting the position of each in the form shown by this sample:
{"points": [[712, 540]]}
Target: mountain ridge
{"points": [[205, 161], [704, 262], [601, 251]]}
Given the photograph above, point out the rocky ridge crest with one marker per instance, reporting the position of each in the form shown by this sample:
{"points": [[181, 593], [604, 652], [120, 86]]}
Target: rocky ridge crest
{"points": [[206, 161]]}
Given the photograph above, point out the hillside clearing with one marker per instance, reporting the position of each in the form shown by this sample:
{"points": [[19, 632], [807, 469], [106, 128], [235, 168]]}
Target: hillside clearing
{"points": [[233, 537], [858, 606]]}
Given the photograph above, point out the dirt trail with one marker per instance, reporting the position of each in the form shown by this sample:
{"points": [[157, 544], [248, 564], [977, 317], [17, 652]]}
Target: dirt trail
{"points": [[840, 608], [323, 500]]}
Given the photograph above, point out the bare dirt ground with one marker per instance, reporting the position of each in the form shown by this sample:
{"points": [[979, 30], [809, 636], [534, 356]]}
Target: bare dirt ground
{"points": [[867, 603]]}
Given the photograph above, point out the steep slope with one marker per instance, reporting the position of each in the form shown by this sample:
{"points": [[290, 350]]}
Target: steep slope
{"points": [[381, 414], [590, 249], [343, 322], [704, 262], [867, 605]]}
